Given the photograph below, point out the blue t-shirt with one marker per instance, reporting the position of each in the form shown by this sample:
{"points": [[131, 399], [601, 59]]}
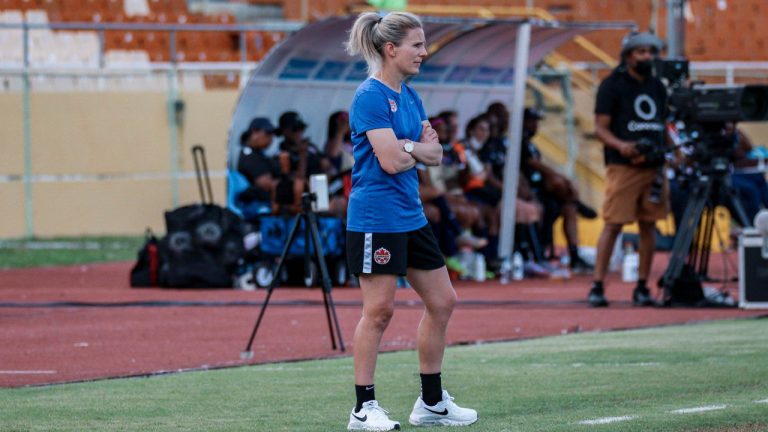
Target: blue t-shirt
{"points": [[381, 202]]}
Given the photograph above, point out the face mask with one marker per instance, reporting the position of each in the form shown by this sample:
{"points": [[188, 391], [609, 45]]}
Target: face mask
{"points": [[644, 68]]}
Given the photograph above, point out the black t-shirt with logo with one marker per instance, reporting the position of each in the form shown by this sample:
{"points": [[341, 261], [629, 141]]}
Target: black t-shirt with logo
{"points": [[637, 109]]}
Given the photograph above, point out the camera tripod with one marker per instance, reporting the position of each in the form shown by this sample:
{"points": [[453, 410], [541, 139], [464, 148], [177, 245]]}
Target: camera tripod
{"points": [[309, 218], [689, 261]]}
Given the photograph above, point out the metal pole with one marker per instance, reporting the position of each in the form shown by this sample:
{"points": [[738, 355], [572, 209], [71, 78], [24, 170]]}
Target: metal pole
{"points": [[243, 60], [675, 28], [681, 29], [570, 124], [173, 130], [25, 96], [512, 167], [653, 26]]}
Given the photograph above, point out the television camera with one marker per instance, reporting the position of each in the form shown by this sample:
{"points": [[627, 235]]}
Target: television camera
{"points": [[703, 118]]}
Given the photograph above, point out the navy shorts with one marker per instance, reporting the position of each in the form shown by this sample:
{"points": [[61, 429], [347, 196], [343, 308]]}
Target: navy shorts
{"points": [[393, 253]]}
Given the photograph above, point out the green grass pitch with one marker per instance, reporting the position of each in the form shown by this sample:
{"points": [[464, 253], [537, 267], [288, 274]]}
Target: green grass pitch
{"points": [[620, 381]]}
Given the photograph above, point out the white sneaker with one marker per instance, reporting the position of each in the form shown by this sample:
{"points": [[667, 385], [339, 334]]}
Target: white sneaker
{"points": [[445, 413], [371, 417]]}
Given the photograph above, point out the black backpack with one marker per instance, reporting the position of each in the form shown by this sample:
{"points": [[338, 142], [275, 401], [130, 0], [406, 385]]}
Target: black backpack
{"points": [[203, 242], [202, 247]]}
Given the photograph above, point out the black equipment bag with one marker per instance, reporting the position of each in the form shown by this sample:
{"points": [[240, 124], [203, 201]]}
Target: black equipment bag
{"points": [[147, 270], [204, 241]]}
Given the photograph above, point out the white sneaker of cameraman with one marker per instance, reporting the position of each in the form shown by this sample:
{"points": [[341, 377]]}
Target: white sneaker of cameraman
{"points": [[444, 413], [371, 417]]}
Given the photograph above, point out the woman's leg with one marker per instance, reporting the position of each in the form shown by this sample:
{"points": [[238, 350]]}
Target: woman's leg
{"points": [[378, 307], [437, 293], [435, 407]]}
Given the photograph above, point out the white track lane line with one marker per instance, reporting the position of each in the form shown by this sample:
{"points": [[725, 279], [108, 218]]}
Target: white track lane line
{"points": [[27, 372], [607, 420], [764, 401], [699, 409]]}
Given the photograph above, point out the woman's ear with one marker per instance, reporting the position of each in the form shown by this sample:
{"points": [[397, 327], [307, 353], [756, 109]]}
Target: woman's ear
{"points": [[389, 49]]}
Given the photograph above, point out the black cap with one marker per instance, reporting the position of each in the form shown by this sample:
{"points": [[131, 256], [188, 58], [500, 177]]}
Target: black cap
{"points": [[291, 120], [532, 113], [261, 123]]}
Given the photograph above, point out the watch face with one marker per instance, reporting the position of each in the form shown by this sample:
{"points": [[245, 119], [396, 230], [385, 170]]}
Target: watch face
{"points": [[408, 146]]}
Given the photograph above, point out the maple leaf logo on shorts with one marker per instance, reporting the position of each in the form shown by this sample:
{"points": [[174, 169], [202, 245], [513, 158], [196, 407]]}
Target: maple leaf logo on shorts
{"points": [[381, 256]]}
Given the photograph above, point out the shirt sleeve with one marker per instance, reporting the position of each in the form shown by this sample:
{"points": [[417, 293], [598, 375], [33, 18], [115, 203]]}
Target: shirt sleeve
{"points": [[607, 98], [370, 110]]}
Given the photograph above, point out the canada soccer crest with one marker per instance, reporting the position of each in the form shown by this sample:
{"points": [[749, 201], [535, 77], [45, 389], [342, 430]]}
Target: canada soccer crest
{"points": [[381, 256], [392, 105]]}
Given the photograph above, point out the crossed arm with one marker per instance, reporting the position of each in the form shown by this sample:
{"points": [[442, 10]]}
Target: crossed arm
{"points": [[392, 158]]}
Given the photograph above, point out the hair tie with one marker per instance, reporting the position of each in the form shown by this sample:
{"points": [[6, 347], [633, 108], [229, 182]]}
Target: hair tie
{"points": [[379, 21]]}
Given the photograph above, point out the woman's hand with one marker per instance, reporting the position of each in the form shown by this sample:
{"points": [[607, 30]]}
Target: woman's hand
{"points": [[428, 134]]}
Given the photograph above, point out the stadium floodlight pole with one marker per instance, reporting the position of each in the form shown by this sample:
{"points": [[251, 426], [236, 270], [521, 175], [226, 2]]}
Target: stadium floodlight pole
{"points": [[512, 163]]}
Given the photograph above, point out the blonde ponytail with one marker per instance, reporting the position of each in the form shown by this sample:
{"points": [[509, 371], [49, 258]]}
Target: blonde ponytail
{"points": [[371, 32]]}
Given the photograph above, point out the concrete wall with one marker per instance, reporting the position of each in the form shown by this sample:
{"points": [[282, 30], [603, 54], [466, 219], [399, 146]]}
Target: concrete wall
{"points": [[101, 161]]}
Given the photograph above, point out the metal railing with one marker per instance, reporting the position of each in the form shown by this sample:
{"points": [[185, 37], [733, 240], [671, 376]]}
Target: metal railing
{"points": [[171, 69]]}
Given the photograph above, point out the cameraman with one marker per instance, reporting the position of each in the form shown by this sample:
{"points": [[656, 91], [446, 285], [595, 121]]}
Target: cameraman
{"points": [[630, 114]]}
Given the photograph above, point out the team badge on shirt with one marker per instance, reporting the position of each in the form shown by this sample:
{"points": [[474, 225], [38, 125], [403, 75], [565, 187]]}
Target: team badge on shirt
{"points": [[381, 256], [392, 105]]}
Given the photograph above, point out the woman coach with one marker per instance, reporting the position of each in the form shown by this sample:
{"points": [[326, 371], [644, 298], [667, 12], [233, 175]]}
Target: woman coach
{"points": [[387, 233]]}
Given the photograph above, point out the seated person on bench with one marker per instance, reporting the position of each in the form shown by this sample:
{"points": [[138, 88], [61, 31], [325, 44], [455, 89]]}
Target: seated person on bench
{"points": [[259, 169]]}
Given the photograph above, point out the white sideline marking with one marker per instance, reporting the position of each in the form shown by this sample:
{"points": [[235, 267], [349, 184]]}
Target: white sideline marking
{"points": [[27, 372], [762, 401], [699, 409], [607, 420]]}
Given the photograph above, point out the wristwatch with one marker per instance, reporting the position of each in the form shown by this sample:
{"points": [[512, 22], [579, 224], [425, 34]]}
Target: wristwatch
{"points": [[408, 146]]}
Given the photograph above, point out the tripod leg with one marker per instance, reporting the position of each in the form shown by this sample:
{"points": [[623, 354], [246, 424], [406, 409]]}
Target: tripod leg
{"points": [[705, 246], [330, 308], [685, 234], [275, 279]]}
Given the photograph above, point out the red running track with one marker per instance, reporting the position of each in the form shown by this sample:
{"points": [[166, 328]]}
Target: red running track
{"points": [[84, 322]]}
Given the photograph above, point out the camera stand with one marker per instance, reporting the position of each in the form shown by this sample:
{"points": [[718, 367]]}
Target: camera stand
{"points": [[689, 261], [308, 216]]}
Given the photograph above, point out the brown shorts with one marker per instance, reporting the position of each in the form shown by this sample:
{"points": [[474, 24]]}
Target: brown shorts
{"points": [[627, 195]]}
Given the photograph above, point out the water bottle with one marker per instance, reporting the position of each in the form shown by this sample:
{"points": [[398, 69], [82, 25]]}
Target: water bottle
{"points": [[505, 271], [630, 265], [479, 268], [617, 255], [467, 261], [518, 271]]}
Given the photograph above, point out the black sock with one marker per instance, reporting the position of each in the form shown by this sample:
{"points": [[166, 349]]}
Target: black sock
{"points": [[431, 389], [573, 251], [364, 394], [597, 287], [641, 285]]}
